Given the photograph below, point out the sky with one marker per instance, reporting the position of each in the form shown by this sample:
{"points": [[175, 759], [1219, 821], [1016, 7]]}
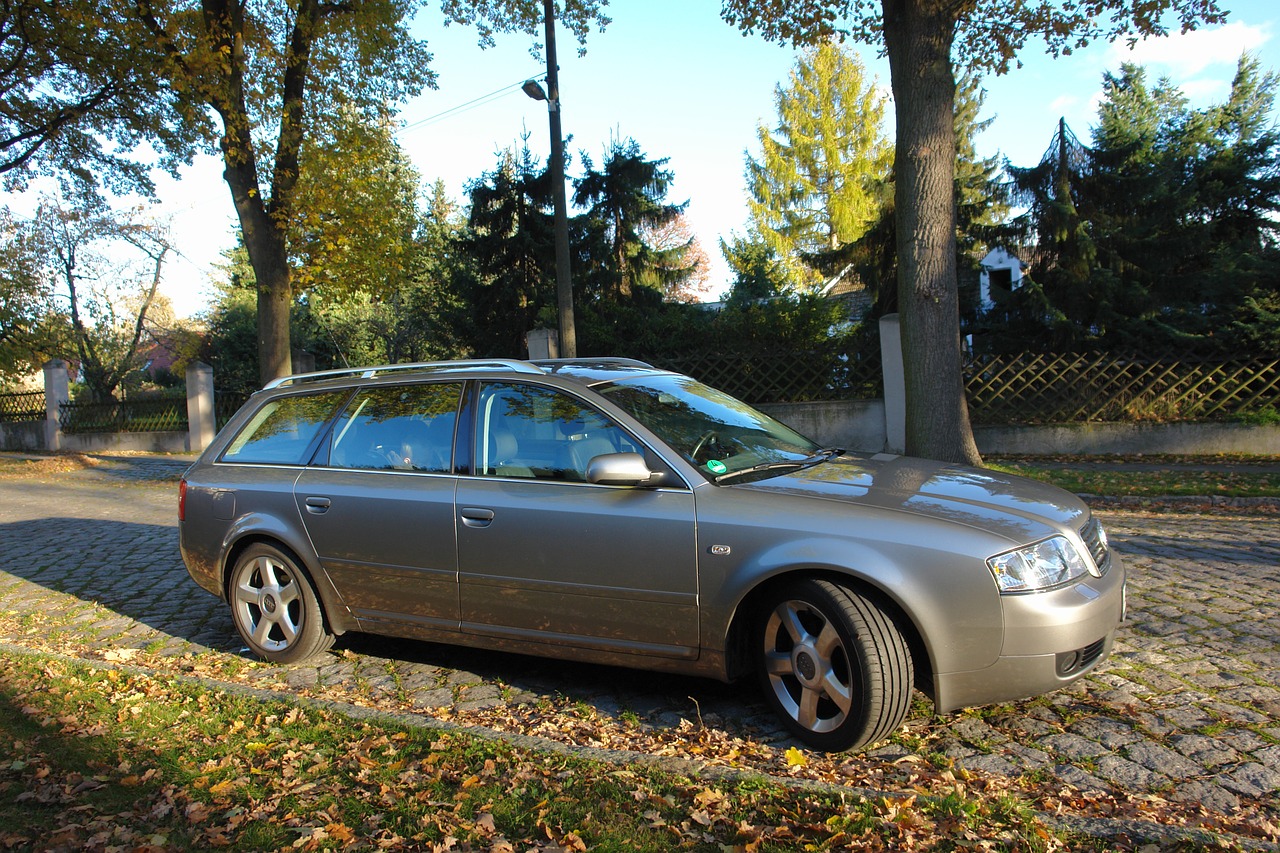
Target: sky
{"points": [[688, 87]]}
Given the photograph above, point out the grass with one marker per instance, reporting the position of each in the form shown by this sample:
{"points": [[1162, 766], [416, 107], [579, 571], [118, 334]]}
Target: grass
{"points": [[1170, 476], [105, 758]]}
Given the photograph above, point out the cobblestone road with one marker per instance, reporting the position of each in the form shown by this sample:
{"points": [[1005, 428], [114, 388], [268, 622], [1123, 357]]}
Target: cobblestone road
{"points": [[1187, 709]]}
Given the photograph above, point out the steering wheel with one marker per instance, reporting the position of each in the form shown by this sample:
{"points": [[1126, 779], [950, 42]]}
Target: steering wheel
{"points": [[706, 438]]}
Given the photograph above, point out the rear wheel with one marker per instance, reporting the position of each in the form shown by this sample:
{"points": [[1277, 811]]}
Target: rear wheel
{"points": [[833, 665], [275, 608]]}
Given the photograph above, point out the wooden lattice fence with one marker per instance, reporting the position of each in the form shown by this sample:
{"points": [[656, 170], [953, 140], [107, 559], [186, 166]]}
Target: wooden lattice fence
{"points": [[788, 376], [1031, 388], [226, 404]]}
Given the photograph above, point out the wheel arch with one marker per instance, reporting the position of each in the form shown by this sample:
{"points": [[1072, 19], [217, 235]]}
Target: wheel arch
{"points": [[738, 651], [332, 609]]}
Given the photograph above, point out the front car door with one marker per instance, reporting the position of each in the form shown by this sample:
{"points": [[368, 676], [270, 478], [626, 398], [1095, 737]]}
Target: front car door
{"points": [[546, 557]]}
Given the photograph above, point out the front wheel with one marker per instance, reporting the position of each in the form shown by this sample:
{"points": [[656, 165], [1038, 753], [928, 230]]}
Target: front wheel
{"points": [[274, 607], [833, 665]]}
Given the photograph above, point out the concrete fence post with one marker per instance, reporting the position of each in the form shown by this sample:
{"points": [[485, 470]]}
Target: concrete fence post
{"points": [[57, 390], [895, 384], [543, 343], [303, 361], [202, 422]]}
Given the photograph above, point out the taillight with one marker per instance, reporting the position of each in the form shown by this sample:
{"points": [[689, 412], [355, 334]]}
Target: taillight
{"points": [[182, 500]]}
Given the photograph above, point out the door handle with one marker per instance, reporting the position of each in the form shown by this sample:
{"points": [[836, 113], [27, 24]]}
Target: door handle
{"points": [[317, 505], [473, 516]]}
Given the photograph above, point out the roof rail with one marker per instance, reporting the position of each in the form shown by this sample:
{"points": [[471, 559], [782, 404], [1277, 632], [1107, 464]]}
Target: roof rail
{"points": [[426, 366], [588, 360]]}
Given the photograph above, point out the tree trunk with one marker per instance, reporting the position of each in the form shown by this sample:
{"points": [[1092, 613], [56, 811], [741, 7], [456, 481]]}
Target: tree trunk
{"points": [[918, 35], [264, 240]]}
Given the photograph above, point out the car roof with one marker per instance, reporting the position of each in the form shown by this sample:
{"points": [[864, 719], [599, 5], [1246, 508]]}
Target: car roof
{"points": [[588, 371]]}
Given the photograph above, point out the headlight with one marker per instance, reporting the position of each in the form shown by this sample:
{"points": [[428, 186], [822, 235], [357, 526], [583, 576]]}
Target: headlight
{"points": [[1042, 566]]}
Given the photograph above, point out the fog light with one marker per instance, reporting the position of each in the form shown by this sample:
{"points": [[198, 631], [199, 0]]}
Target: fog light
{"points": [[1068, 662]]}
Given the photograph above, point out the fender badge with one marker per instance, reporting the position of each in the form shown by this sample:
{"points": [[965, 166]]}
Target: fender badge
{"points": [[720, 550]]}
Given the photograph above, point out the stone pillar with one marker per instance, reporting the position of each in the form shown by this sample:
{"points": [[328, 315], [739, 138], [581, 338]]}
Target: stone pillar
{"points": [[57, 390], [543, 343], [202, 420], [303, 361], [895, 384]]}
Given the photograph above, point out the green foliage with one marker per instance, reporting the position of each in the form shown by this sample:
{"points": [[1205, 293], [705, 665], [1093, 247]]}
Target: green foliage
{"points": [[82, 92], [624, 201], [822, 176], [504, 283], [275, 73], [981, 194], [1266, 416], [107, 266], [758, 274], [30, 328], [1165, 232], [231, 346], [919, 39], [355, 209], [1151, 476]]}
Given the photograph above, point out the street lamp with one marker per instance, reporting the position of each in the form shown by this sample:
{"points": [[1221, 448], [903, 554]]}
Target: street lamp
{"points": [[564, 283]]}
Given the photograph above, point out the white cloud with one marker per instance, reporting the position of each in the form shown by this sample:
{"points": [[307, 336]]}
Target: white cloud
{"points": [[1182, 56]]}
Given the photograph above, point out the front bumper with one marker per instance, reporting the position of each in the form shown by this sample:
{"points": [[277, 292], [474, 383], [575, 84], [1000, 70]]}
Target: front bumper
{"points": [[1051, 639]]}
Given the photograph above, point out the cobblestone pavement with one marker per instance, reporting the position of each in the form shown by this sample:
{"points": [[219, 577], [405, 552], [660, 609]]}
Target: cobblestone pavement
{"points": [[1188, 708]]}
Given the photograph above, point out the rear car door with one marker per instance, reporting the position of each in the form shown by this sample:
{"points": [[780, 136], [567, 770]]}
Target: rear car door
{"points": [[546, 557], [378, 505]]}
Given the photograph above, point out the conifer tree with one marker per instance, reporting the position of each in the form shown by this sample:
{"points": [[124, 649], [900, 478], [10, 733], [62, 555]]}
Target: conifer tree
{"points": [[625, 199], [820, 180]]}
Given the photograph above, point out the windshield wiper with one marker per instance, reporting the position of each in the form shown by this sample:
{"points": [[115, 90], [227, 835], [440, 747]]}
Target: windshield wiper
{"points": [[821, 456]]}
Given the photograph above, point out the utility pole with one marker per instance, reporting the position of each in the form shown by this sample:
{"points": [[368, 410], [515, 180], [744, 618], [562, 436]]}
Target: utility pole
{"points": [[564, 281]]}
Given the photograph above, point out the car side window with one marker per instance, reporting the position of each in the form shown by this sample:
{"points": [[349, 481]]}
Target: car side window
{"points": [[398, 427], [282, 430], [532, 432]]}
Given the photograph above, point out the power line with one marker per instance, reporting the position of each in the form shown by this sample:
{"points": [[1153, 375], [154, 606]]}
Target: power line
{"points": [[469, 105]]}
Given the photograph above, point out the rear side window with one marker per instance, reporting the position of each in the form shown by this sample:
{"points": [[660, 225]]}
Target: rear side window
{"points": [[281, 431], [399, 427]]}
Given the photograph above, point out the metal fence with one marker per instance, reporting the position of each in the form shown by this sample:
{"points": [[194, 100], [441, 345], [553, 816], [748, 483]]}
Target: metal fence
{"points": [[150, 415], [1037, 388], [22, 407]]}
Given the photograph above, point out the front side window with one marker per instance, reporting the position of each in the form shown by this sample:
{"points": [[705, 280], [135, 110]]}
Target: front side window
{"points": [[532, 432], [281, 431], [398, 427]]}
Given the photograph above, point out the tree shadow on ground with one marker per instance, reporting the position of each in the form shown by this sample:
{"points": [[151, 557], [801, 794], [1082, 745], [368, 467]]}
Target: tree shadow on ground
{"points": [[134, 571]]}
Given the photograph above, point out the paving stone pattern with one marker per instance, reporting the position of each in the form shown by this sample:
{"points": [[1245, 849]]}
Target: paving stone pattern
{"points": [[1188, 707]]}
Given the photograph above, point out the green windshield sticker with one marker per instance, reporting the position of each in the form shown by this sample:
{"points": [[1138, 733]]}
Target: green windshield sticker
{"points": [[715, 466]]}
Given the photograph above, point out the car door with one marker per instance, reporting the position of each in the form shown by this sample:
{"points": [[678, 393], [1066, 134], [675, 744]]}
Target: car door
{"points": [[546, 557], [378, 506]]}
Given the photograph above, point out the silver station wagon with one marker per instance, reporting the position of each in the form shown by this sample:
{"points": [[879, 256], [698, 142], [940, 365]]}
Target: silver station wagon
{"points": [[604, 510]]}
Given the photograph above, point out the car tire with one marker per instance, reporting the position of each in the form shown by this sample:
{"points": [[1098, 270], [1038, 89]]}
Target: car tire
{"points": [[274, 606], [833, 665]]}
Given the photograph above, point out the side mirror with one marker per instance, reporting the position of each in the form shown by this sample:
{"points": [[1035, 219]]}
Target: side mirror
{"points": [[618, 469]]}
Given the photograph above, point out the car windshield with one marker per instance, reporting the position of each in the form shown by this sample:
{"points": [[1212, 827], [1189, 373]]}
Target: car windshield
{"points": [[725, 438]]}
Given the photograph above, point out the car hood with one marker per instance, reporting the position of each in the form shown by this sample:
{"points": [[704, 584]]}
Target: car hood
{"points": [[1014, 507]]}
